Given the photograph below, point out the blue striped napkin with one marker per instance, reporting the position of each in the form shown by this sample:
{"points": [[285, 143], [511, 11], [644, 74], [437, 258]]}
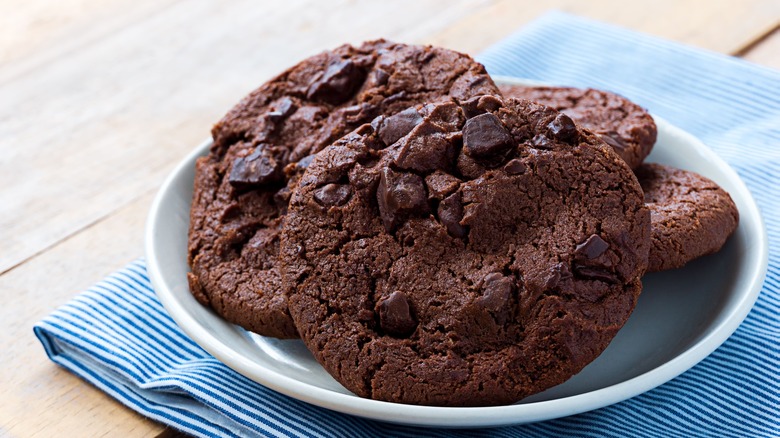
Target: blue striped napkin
{"points": [[118, 337]]}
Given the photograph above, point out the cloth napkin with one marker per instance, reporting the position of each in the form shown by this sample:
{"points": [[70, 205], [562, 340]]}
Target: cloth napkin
{"points": [[118, 337]]}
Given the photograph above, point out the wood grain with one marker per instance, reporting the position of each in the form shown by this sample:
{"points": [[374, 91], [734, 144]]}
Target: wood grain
{"points": [[40, 398], [35, 27], [724, 26], [84, 134], [100, 99], [767, 51]]}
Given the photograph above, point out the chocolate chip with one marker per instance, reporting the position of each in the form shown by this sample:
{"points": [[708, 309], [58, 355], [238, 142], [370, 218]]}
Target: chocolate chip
{"points": [[254, 170], [484, 136], [562, 128], [379, 77], [392, 128], [364, 130], [496, 292], [332, 194], [359, 113], [450, 214], [557, 273], [401, 95], [470, 84], [364, 179], [399, 195], [283, 109], [470, 107], [540, 141], [614, 141], [304, 162], [311, 114], [395, 315], [263, 128], [448, 115], [469, 167], [514, 167], [338, 165], [340, 80], [282, 197], [591, 248], [595, 273], [425, 56], [425, 149], [480, 105], [230, 212], [441, 184], [363, 61], [589, 263]]}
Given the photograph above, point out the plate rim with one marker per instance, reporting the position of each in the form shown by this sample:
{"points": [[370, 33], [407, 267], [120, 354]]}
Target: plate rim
{"points": [[489, 416]]}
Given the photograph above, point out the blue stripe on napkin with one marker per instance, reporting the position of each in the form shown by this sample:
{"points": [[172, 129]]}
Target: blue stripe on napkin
{"points": [[117, 336]]}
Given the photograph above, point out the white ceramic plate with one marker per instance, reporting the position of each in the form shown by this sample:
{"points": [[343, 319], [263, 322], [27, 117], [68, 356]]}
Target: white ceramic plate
{"points": [[682, 315]]}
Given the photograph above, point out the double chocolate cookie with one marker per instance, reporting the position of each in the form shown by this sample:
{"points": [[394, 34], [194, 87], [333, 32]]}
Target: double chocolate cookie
{"points": [[463, 254], [691, 216], [622, 124], [261, 146]]}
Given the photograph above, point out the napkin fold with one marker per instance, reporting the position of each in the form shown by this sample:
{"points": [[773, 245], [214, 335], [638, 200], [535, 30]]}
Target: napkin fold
{"points": [[117, 335]]}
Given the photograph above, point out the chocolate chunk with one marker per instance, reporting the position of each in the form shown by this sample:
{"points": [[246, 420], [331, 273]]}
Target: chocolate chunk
{"points": [[450, 214], [282, 197], [395, 315], [284, 108], [448, 115], [366, 133], [469, 167], [359, 113], [379, 77], [341, 79], [363, 61], [425, 149], [470, 107], [338, 167], [595, 273], [255, 170], [540, 141], [399, 194], [480, 105], [468, 85], [304, 162], [332, 194], [401, 95], [562, 128], [230, 212], [514, 167], [558, 273], [309, 114], [591, 248], [614, 141], [496, 292], [484, 136], [588, 262], [392, 128], [441, 184], [364, 179]]}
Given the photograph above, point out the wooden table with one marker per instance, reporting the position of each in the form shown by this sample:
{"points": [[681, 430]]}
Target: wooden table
{"points": [[99, 99]]}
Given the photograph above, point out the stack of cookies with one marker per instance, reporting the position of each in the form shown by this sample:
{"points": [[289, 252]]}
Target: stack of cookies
{"points": [[431, 237]]}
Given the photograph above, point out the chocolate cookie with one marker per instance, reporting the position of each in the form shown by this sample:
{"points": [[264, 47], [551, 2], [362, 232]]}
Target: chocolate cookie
{"points": [[690, 215], [489, 253], [242, 187], [622, 124]]}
